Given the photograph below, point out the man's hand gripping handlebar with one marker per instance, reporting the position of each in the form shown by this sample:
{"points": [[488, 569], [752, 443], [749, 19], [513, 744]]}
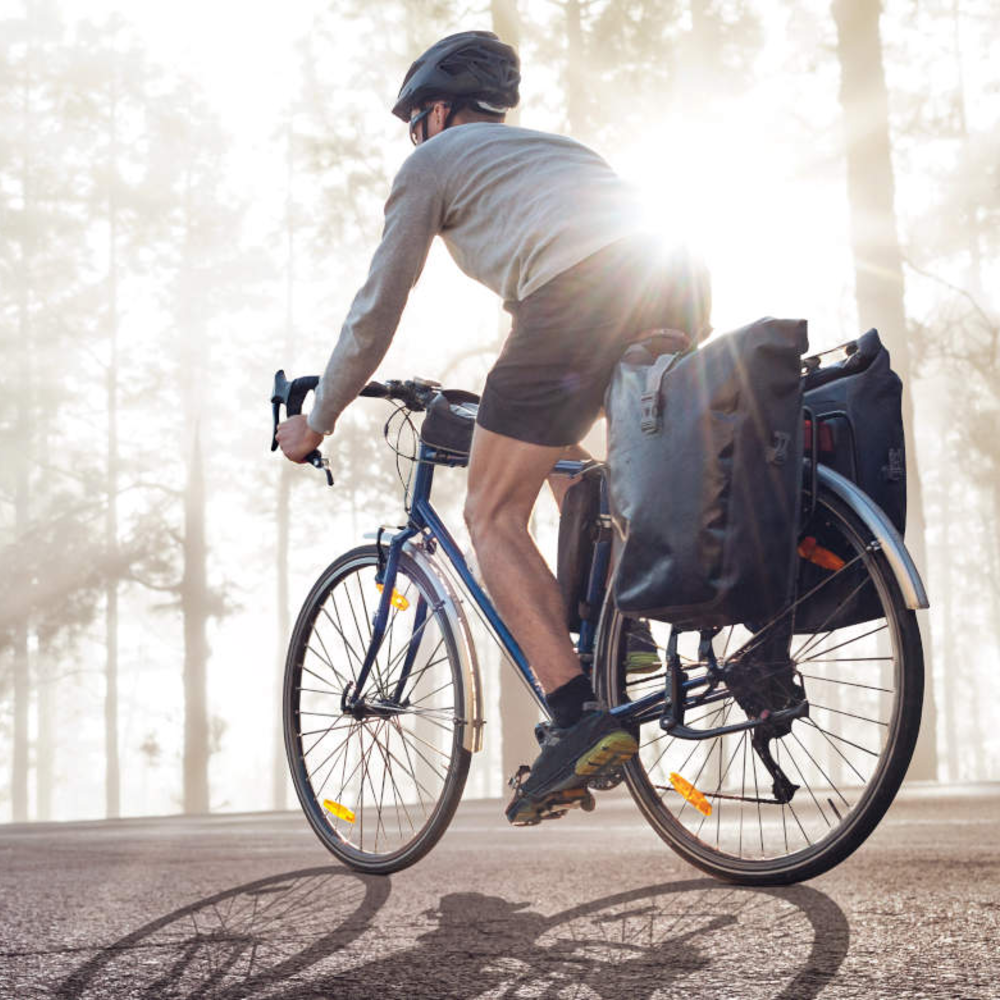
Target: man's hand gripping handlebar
{"points": [[416, 395], [292, 395]]}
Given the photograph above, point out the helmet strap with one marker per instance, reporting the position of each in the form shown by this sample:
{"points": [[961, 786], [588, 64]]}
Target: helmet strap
{"points": [[456, 106]]}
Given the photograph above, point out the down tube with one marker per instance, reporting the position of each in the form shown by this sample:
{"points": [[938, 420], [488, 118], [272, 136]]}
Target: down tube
{"points": [[507, 641]]}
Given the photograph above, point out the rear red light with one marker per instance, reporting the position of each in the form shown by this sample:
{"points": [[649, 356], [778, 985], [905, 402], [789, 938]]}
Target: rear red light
{"points": [[826, 442]]}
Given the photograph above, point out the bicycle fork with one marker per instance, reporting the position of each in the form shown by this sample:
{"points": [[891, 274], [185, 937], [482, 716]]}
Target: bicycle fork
{"points": [[353, 702]]}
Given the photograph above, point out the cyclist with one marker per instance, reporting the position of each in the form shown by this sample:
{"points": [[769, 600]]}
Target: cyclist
{"points": [[544, 222]]}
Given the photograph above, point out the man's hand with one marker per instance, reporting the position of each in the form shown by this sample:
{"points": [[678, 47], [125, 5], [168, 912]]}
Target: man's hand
{"points": [[297, 439]]}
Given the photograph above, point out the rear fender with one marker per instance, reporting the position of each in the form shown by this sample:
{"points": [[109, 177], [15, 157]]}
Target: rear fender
{"points": [[884, 532]]}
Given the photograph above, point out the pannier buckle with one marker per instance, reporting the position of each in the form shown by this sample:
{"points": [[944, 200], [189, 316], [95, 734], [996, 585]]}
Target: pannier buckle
{"points": [[650, 422], [779, 447], [895, 469]]}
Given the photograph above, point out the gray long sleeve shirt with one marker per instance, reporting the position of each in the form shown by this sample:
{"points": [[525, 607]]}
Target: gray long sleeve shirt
{"points": [[514, 207]]}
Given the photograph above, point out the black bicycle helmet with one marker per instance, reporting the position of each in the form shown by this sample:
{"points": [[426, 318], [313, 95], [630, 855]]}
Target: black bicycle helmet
{"points": [[473, 67]]}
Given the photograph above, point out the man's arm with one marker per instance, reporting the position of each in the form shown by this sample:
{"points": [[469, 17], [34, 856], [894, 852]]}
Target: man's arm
{"points": [[414, 214]]}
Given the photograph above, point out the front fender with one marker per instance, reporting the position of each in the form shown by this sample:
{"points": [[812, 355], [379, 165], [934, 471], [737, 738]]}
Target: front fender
{"points": [[472, 738], [884, 531]]}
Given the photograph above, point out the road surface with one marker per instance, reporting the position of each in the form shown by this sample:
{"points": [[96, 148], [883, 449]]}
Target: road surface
{"points": [[590, 906]]}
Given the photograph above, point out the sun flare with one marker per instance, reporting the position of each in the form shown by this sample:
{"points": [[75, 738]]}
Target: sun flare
{"points": [[774, 234]]}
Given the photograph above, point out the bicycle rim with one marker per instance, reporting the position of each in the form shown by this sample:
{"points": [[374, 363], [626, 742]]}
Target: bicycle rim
{"points": [[860, 667], [378, 786]]}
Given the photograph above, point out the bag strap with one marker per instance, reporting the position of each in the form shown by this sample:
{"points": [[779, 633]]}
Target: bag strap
{"points": [[650, 399]]}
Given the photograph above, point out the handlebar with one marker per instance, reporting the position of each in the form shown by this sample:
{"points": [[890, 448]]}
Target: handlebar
{"points": [[416, 394]]}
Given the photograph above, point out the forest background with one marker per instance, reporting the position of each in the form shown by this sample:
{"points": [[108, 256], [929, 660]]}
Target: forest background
{"points": [[189, 197]]}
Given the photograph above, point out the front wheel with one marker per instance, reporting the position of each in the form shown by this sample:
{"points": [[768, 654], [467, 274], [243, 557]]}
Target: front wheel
{"points": [[379, 781], [850, 649]]}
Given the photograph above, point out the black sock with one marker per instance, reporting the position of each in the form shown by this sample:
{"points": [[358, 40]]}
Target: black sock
{"points": [[567, 702]]}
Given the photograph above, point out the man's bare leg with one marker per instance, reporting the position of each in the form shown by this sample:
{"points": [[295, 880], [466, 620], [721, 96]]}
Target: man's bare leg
{"points": [[505, 477]]}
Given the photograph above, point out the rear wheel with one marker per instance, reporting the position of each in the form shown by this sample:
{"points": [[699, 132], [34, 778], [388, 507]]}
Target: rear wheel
{"points": [[853, 653], [379, 783]]}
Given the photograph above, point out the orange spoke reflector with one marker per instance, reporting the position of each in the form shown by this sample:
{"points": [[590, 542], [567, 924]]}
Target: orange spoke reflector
{"points": [[341, 812], [810, 549], [686, 790], [397, 600]]}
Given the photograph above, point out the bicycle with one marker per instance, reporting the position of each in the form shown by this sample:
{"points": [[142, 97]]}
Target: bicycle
{"points": [[768, 751]]}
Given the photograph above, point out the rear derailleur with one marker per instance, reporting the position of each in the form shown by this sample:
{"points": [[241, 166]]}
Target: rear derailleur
{"points": [[763, 681]]}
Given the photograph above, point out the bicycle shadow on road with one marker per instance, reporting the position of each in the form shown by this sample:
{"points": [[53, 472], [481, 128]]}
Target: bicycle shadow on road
{"points": [[690, 939], [242, 942], [312, 934]]}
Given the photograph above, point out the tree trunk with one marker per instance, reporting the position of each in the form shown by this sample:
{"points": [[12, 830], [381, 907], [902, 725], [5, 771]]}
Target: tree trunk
{"points": [[194, 607], [21, 457], [279, 766], [576, 87], [112, 793], [19, 758], [878, 266], [953, 687], [279, 771], [45, 740]]}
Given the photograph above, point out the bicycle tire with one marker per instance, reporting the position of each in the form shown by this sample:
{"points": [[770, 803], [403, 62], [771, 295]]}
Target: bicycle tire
{"points": [[841, 743], [378, 790]]}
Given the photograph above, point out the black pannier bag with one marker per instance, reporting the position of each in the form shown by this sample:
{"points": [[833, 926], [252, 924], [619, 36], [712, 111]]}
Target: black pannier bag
{"points": [[854, 408], [705, 476], [579, 525], [856, 405]]}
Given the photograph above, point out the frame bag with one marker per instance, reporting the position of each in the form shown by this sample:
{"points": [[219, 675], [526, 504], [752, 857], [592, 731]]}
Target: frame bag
{"points": [[705, 476], [854, 409], [579, 526]]}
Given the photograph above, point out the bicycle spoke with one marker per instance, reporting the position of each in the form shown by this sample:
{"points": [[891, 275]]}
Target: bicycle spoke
{"points": [[841, 754], [322, 680], [756, 790], [363, 641], [840, 645], [347, 644], [819, 768], [850, 715], [412, 771], [833, 680], [325, 732], [807, 786], [412, 774], [344, 748], [338, 627], [841, 739]]}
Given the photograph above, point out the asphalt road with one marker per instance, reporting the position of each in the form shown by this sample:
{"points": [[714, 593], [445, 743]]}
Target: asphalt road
{"points": [[590, 906]]}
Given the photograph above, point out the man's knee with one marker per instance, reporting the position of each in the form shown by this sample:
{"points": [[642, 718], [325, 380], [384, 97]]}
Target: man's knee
{"points": [[486, 518]]}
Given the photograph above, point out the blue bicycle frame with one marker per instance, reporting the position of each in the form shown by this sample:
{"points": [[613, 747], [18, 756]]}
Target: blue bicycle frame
{"points": [[424, 519]]}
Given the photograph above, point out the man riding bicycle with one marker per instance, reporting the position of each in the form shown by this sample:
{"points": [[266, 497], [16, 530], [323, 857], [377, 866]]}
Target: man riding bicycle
{"points": [[545, 223]]}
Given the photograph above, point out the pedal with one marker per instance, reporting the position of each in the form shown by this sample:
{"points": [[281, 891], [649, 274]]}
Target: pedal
{"points": [[555, 806]]}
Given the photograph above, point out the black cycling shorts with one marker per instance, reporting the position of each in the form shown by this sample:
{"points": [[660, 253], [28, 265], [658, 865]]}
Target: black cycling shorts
{"points": [[547, 387]]}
